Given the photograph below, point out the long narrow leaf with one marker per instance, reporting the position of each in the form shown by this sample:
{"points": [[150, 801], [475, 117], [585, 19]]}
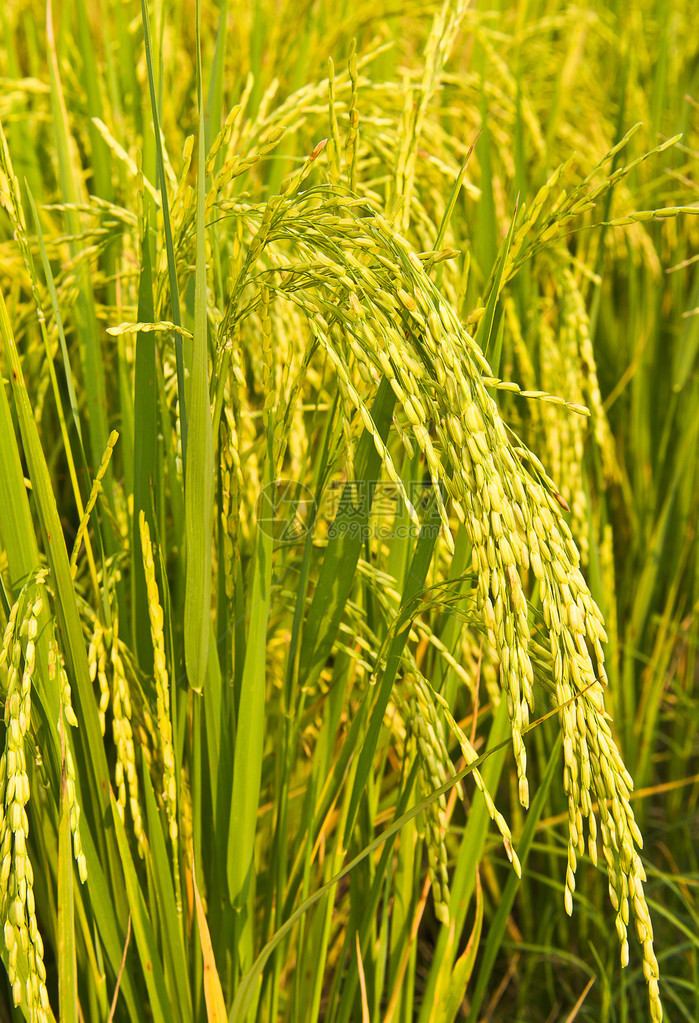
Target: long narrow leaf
{"points": [[199, 472], [247, 761], [167, 227], [213, 992]]}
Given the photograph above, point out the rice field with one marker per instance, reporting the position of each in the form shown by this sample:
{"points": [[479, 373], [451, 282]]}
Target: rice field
{"points": [[348, 510]]}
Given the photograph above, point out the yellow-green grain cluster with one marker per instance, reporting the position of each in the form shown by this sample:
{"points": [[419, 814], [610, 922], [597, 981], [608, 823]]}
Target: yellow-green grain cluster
{"points": [[108, 668], [368, 298], [162, 689], [25, 947], [510, 508], [57, 674], [426, 728]]}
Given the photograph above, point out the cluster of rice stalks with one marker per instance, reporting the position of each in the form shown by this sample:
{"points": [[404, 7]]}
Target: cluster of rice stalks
{"points": [[286, 545]]}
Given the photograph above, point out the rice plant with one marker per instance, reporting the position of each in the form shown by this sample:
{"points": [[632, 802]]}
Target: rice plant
{"points": [[347, 505]]}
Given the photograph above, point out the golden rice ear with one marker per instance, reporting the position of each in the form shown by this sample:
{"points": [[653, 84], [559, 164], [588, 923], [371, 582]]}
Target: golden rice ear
{"points": [[161, 678], [17, 899]]}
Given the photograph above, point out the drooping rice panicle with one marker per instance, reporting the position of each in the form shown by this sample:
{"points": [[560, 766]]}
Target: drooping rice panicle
{"points": [[17, 902], [162, 689]]}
